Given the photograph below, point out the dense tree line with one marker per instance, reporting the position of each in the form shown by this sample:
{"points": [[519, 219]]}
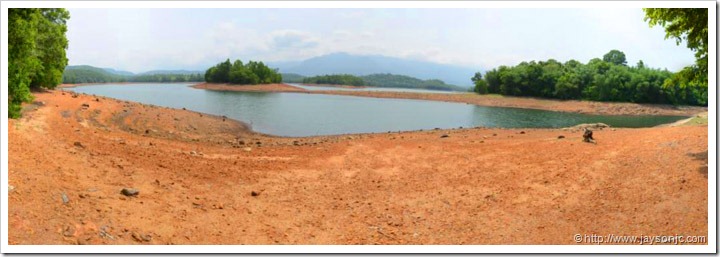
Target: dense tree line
{"points": [[244, 74], [89, 74], [335, 79], [36, 52], [401, 81], [382, 80], [606, 79]]}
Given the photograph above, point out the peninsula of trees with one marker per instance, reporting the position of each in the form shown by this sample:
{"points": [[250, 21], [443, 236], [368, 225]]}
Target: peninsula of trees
{"points": [[606, 79], [610, 78], [379, 80], [251, 73]]}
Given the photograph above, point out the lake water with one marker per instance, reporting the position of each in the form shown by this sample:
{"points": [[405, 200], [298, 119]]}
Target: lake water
{"points": [[299, 115], [377, 89]]}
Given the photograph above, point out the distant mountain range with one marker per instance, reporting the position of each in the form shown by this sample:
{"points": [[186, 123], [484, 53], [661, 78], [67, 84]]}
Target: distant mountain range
{"points": [[127, 73], [360, 65]]}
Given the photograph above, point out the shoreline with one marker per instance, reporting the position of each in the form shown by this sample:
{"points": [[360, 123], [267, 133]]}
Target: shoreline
{"points": [[573, 106], [199, 174]]}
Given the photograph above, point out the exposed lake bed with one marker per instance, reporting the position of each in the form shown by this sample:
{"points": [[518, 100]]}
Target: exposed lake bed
{"points": [[446, 186]]}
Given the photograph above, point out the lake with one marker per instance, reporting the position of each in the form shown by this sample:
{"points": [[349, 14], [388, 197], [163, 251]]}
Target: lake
{"points": [[300, 115]]}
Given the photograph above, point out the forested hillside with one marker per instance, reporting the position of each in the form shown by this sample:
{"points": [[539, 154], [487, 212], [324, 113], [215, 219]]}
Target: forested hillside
{"points": [[89, 74]]}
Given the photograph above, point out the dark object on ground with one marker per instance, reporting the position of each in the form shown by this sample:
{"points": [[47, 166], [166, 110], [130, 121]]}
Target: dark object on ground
{"points": [[588, 136], [85, 106], [444, 136], [130, 192], [561, 137], [522, 132], [253, 193], [78, 144]]}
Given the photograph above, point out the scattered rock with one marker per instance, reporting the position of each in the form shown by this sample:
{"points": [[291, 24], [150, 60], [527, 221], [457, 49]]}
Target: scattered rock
{"points": [[85, 106], [193, 153], [11, 188], [39, 103], [141, 238], [561, 137], [253, 193], [147, 131], [522, 132], [69, 231], [247, 149], [494, 134], [444, 136], [78, 144], [65, 198], [97, 99], [296, 143], [130, 192]]}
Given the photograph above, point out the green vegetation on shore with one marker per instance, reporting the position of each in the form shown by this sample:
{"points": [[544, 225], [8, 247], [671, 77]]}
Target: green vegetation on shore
{"points": [[251, 73], [382, 80], [89, 74], [610, 78], [36, 52], [335, 79]]}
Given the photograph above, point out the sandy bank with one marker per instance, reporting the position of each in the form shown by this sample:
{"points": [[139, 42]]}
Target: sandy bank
{"points": [[249, 88], [197, 173]]}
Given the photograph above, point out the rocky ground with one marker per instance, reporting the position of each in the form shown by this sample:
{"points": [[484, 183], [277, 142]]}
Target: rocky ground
{"points": [[203, 179]]}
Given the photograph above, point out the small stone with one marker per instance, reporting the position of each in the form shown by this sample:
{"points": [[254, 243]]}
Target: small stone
{"points": [[522, 132], [296, 143], [146, 238], [11, 188], [85, 106], [130, 192], [65, 198], [193, 153], [444, 136], [69, 231], [494, 134], [561, 137], [247, 149], [253, 193], [78, 144]]}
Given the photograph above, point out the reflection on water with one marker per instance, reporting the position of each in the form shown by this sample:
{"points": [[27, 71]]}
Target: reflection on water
{"points": [[293, 114]]}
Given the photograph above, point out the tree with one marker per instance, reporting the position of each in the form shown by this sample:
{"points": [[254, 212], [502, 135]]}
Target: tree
{"points": [[690, 25], [481, 86], [615, 57], [36, 52], [52, 42]]}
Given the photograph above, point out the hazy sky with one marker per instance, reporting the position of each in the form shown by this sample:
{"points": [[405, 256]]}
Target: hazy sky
{"points": [[145, 39]]}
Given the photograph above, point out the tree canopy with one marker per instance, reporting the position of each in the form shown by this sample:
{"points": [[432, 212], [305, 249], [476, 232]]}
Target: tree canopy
{"points": [[689, 25], [607, 79], [36, 52], [243, 74]]}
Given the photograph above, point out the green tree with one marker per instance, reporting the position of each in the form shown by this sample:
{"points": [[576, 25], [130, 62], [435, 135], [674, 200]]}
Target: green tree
{"points": [[481, 86], [36, 52], [689, 25], [52, 43], [615, 57]]}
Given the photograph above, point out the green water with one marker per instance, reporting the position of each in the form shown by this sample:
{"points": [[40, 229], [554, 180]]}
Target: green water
{"points": [[298, 115]]}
